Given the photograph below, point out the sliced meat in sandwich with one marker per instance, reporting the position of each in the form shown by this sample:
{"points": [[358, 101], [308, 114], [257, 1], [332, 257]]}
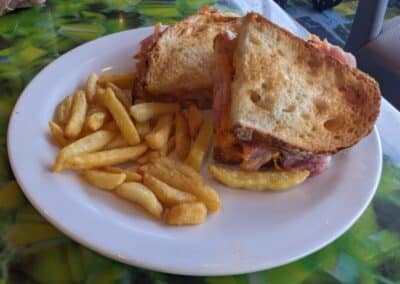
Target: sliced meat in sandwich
{"points": [[178, 63], [279, 97]]}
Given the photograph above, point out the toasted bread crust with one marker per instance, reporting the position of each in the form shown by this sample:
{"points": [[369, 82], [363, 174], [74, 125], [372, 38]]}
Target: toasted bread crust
{"points": [[183, 58], [286, 92]]}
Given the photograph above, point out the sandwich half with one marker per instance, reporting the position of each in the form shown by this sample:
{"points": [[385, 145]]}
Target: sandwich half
{"points": [[279, 97], [178, 63]]}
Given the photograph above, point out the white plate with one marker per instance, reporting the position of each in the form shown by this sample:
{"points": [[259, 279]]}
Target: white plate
{"points": [[253, 230]]}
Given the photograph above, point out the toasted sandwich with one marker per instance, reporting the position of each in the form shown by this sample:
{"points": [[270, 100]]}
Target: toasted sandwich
{"points": [[178, 63], [278, 97]]}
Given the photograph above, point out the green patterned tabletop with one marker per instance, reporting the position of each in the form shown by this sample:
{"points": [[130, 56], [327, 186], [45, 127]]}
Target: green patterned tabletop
{"points": [[33, 251]]}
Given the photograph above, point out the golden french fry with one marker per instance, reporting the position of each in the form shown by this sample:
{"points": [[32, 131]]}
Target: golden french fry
{"points": [[77, 116], [144, 111], [200, 145], [91, 83], [193, 213], [121, 117], [149, 157], [96, 117], [258, 181], [90, 143], [141, 195], [122, 80], [167, 195], [130, 175], [87, 161], [171, 144], [125, 99], [182, 137], [186, 170], [57, 134], [63, 110], [158, 137], [104, 180], [117, 142], [195, 119], [177, 179], [143, 128]]}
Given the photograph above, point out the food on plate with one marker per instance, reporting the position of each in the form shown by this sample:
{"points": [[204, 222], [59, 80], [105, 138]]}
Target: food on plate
{"points": [[105, 158], [104, 180], [258, 181], [130, 175], [77, 115], [192, 213], [167, 195], [117, 142], [63, 110], [122, 80], [121, 116], [178, 63], [279, 97], [194, 118], [141, 195], [184, 178], [91, 143], [143, 112], [281, 107], [158, 137], [57, 133], [96, 117], [200, 145], [91, 84], [182, 137]]}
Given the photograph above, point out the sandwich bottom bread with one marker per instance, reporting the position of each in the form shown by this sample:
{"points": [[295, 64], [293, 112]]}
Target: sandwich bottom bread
{"points": [[279, 98]]}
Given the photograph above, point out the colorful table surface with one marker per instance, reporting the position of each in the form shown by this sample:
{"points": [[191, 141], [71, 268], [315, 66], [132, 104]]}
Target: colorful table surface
{"points": [[33, 251]]}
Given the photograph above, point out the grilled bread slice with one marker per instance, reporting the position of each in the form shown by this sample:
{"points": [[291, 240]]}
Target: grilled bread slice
{"points": [[287, 92], [182, 60]]}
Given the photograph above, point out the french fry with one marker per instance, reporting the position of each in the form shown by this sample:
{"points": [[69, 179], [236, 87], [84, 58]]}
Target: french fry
{"points": [[91, 83], [200, 145], [167, 195], [122, 80], [90, 143], [141, 195], [57, 134], [100, 159], [104, 180], [96, 117], [63, 110], [182, 137], [77, 115], [171, 144], [143, 128], [149, 157], [130, 175], [121, 117], [125, 99], [193, 213], [258, 181], [145, 111], [176, 179], [186, 170], [117, 142], [158, 137], [195, 119]]}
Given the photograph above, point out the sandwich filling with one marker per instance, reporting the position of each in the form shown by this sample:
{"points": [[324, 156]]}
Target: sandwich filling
{"points": [[237, 146]]}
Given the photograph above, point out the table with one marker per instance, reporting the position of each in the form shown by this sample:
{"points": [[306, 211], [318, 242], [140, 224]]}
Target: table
{"points": [[31, 250]]}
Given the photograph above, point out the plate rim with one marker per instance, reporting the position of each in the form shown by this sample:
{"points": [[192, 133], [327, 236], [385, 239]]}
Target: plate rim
{"points": [[149, 265]]}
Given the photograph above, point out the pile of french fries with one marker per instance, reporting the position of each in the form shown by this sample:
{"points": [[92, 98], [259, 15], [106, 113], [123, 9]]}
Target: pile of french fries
{"points": [[146, 153]]}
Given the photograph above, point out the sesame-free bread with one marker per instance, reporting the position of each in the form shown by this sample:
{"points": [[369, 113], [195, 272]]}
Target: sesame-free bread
{"points": [[182, 60], [287, 92]]}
